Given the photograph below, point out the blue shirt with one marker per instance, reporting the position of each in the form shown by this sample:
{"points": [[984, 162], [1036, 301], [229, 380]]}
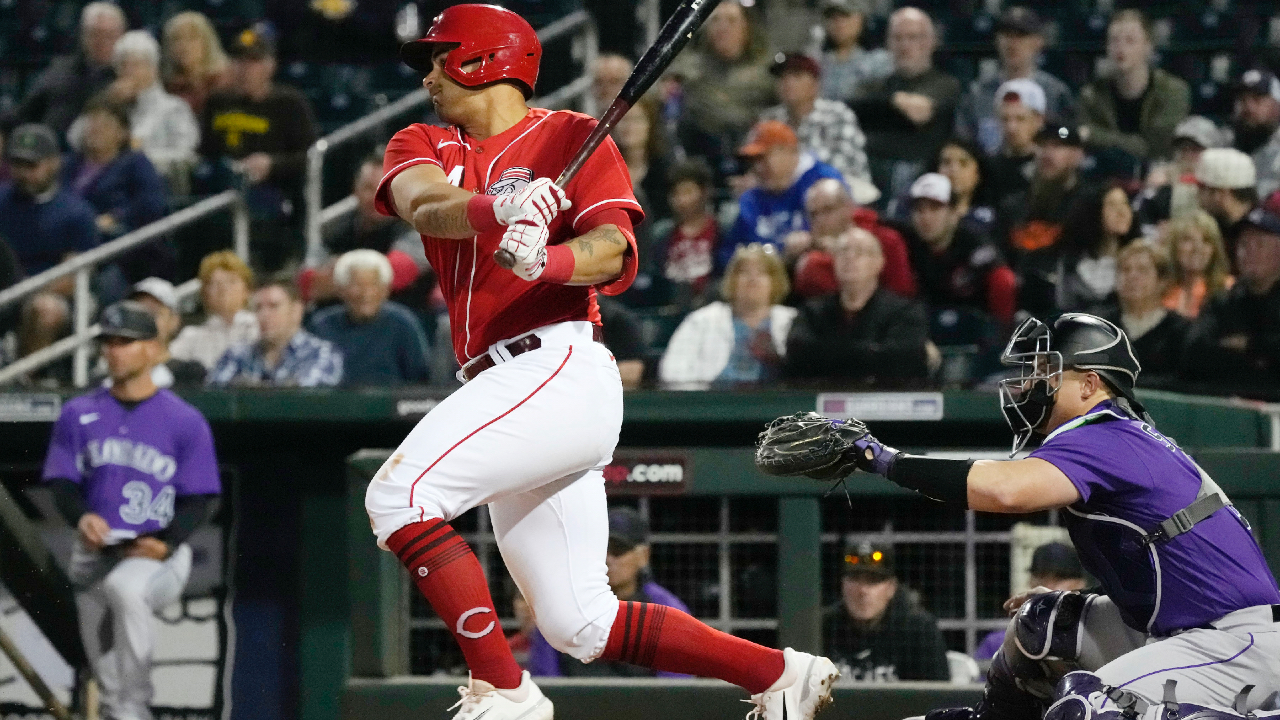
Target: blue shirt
{"points": [[307, 361], [127, 188], [42, 233], [1131, 478], [766, 217], [743, 365], [389, 349]]}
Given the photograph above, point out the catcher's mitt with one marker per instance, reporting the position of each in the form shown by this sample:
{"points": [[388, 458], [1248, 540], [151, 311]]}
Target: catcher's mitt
{"points": [[809, 444]]}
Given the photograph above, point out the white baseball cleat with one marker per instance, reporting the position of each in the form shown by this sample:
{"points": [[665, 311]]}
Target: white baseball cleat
{"points": [[482, 700], [802, 691]]}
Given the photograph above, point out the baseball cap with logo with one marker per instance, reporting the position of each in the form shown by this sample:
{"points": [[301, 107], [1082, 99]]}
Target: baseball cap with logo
{"points": [[871, 560], [932, 186], [31, 143], [1259, 82], [1226, 168], [1023, 90], [255, 42], [1056, 560], [768, 134], [1199, 130], [1062, 134], [1264, 220], [794, 62], [627, 529], [1019, 20], [128, 319], [845, 7], [158, 288]]}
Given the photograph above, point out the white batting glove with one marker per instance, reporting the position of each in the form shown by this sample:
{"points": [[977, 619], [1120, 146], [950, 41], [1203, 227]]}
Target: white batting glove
{"points": [[540, 200], [527, 241]]}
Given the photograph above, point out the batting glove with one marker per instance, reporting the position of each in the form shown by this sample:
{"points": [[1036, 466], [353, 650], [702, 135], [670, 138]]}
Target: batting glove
{"points": [[527, 241], [540, 201]]}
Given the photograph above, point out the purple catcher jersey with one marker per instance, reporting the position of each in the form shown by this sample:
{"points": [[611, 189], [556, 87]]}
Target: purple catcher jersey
{"points": [[1131, 478], [132, 462]]}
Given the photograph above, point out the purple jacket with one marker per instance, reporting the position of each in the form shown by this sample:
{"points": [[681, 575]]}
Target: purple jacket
{"points": [[545, 660]]}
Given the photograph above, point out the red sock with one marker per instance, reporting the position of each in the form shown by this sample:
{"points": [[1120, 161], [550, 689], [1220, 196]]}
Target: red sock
{"points": [[666, 639], [449, 577]]}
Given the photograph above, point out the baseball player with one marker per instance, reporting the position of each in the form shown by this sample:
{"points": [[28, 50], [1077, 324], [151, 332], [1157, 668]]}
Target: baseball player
{"points": [[132, 468], [1190, 613], [538, 417]]}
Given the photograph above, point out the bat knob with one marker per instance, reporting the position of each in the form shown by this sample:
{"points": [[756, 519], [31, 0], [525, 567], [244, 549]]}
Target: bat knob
{"points": [[504, 258]]}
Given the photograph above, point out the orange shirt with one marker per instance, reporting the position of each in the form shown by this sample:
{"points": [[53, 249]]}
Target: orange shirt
{"points": [[1188, 302]]}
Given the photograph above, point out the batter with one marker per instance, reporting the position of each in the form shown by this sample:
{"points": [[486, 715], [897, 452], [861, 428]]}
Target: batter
{"points": [[538, 418]]}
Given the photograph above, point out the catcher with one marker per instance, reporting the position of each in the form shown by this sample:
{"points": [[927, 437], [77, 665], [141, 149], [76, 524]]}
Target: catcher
{"points": [[1189, 615]]}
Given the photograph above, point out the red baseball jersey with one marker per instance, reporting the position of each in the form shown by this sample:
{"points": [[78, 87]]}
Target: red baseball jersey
{"points": [[486, 302]]}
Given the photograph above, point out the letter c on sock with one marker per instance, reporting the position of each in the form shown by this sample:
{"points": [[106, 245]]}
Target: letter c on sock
{"points": [[475, 611]]}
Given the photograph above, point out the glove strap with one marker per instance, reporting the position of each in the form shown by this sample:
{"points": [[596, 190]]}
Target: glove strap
{"points": [[560, 264], [935, 478], [480, 214]]}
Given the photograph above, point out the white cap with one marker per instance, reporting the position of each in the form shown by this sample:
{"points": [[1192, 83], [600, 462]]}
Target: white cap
{"points": [[1024, 90], [1200, 130], [862, 190], [1226, 168], [932, 186], [158, 288]]}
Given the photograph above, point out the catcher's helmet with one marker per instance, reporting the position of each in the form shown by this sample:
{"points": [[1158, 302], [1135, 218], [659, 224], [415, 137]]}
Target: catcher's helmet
{"points": [[1075, 341], [504, 43]]}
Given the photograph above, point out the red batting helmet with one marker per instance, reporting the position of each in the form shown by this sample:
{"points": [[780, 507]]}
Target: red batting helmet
{"points": [[503, 42]]}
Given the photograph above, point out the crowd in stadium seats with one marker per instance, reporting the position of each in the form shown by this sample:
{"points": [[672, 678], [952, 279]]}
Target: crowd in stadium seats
{"points": [[860, 211]]}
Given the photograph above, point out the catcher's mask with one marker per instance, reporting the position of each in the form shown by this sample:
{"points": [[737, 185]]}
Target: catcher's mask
{"points": [[1077, 341]]}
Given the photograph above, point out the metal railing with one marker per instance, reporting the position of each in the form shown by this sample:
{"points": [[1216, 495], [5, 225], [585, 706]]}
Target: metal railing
{"points": [[82, 266], [578, 23]]}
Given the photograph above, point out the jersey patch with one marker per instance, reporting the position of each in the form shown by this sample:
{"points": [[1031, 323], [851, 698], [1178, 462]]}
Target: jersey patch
{"points": [[510, 182]]}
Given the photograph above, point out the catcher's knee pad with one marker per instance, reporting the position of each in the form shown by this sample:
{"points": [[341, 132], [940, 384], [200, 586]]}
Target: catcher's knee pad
{"points": [[1048, 627]]}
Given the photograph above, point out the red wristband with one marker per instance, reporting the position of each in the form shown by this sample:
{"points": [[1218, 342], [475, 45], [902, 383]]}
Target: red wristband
{"points": [[560, 262], [480, 213]]}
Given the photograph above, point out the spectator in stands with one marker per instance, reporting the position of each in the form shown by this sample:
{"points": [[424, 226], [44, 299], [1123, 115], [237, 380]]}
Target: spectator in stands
{"points": [[57, 94], [1227, 182], [1079, 273], [382, 343], [846, 65], [1054, 566], [225, 281], [863, 333], [44, 221], [1171, 187], [1019, 108], [958, 267], [827, 128], [120, 184], [784, 171], [43, 320], [685, 244], [160, 299], [1200, 267], [740, 340], [607, 78], [1144, 274], [832, 212], [1136, 107], [1019, 43], [877, 632], [1034, 217], [624, 336], [1256, 124], [726, 84], [963, 165], [1235, 343], [194, 63], [909, 114], [639, 138], [366, 228], [265, 129], [631, 580], [284, 354]]}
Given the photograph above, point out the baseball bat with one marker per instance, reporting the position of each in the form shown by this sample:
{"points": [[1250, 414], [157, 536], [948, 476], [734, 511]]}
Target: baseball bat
{"points": [[675, 34]]}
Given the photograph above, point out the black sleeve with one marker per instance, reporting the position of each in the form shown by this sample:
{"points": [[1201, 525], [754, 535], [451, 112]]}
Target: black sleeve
{"points": [[288, 163], [67, 498], [929, 657], [897, 351], [879, 114], [189, 513]]}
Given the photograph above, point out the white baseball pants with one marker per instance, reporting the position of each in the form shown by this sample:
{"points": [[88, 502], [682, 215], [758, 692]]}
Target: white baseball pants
{"points": [[529, 437], [117, 600]]}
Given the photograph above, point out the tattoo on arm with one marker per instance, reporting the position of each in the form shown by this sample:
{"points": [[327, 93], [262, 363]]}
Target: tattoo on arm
{"points": [[447, 220], [603, 234]]}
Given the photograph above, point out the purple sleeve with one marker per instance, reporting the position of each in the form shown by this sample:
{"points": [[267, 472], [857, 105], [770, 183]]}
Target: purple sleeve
{"points": [[1081, 453], [198, 465], [989, 646], [543, 661], [60, 463]]}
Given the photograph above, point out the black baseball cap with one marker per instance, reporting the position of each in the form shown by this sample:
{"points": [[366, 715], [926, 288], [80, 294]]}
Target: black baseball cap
{"points": [[1056, 560], [128, 319], [1264, 220], [868, 560], [1019, 20], [1061, 134], [1259, 81], [254, 42], [785, 62], [31, 142], [627, 529]]}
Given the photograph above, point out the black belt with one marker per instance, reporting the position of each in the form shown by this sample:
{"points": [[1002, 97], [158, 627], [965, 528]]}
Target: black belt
{"points": [[514, 348]]}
